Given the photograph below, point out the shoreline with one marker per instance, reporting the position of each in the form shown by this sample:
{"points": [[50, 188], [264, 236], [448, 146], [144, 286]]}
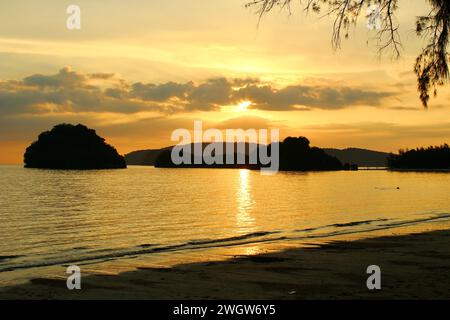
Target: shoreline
{"points": [[413, 266]]}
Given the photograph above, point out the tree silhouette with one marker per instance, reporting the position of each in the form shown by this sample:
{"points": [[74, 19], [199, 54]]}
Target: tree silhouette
{"points": [[296, 154], [437, 157], [69, 146], [431, 66]]}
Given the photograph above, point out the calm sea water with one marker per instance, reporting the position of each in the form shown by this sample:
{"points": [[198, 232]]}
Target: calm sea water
{"points": [[52, 218]]}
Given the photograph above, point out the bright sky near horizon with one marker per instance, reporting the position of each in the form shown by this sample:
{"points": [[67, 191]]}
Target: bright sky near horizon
{"points": [[139, 69]]}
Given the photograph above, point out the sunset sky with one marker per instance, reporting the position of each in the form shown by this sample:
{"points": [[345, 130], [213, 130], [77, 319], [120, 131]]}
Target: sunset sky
{"points": [[139, 69]]}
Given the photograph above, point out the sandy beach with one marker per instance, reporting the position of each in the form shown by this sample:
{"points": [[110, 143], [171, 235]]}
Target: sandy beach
{"points": [[413, 266]]}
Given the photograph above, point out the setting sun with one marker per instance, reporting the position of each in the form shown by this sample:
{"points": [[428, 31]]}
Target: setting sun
{"points": [[244, 105]]}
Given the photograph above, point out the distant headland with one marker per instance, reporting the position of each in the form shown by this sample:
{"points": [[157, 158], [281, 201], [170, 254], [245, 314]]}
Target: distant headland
{"points": [[295, 154], [360, 157], [69, 146], [430, 158]]}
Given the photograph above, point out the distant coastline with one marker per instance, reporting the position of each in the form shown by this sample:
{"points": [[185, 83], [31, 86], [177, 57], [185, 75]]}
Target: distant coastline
{"points": [[76, 147], [361, 157]]}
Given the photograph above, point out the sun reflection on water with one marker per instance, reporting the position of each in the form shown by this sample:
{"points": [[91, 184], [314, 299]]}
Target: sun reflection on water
{"points": [[245, 221]]}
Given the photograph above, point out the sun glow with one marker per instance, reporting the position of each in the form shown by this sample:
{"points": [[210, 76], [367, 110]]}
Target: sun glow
{"points": [[242, 106]]}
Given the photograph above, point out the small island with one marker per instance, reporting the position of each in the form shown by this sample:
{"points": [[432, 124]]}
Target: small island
{"points": [[69, 146]]}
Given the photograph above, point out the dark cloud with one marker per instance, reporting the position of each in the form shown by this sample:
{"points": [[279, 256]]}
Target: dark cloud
{"points": [[161, 92], [210, 95], [103, 76], [72, 91], [69, 91], [32, 100], [302, 97], [64, 78]]}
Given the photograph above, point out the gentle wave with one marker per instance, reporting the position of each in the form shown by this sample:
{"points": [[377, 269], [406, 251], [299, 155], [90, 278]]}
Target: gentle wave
{"points": [[340, 225], [250, 238]]}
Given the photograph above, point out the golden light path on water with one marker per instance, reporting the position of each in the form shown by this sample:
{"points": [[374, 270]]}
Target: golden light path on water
{"points": [[244, 219]]}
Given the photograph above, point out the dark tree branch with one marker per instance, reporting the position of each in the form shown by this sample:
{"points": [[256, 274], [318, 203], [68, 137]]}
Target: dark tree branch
{"points": [[431, 66]]}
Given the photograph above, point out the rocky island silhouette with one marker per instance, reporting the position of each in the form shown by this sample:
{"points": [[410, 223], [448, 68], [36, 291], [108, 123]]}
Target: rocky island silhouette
{"points": [[69, 146]]}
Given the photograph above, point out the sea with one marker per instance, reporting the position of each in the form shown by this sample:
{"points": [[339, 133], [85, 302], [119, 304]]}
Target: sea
{"points": [[111, 221]]}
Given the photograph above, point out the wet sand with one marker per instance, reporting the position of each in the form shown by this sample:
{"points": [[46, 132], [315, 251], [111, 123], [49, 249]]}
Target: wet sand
{"points": [[415, 266]]}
